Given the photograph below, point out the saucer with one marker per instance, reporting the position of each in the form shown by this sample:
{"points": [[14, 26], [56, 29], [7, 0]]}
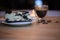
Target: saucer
{"points": [[17, 23]]}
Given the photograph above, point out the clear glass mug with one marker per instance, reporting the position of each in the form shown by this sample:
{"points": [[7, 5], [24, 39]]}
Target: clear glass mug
{"points": [[41, 11]]}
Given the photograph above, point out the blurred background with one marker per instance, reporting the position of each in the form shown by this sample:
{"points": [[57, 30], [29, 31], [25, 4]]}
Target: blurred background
{"points": [[27, 4]]}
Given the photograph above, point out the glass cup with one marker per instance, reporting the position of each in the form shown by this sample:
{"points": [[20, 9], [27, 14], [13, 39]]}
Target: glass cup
{"points": [[41, 11]]}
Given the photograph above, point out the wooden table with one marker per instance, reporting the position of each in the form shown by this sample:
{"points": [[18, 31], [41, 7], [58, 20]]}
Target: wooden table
{"points": [[36, 31]]}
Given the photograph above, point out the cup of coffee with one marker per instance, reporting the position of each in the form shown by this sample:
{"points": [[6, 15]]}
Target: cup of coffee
{"points": [[17, 16]]}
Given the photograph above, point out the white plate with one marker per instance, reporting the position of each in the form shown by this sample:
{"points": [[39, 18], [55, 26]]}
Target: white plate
{"points": [[17, 23]]}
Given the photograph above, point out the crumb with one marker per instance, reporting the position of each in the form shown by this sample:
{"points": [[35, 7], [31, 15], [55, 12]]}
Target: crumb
{"points": [[49, 21], [45, 22], [42, 20], [57, 22]]}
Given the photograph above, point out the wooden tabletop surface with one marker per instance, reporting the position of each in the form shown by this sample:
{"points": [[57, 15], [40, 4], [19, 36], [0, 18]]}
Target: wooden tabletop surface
{"points": [[36, 31]]}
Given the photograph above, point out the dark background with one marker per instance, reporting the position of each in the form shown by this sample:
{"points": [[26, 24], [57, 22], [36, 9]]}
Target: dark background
{"points": [[53, 4], [27, 4]]}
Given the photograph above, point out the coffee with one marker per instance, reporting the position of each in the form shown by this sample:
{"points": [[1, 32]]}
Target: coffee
{"points": [[41, 11]]}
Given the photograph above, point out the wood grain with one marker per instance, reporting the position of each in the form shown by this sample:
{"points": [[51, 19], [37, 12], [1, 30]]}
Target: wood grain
{"points": [[36, 31]]}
